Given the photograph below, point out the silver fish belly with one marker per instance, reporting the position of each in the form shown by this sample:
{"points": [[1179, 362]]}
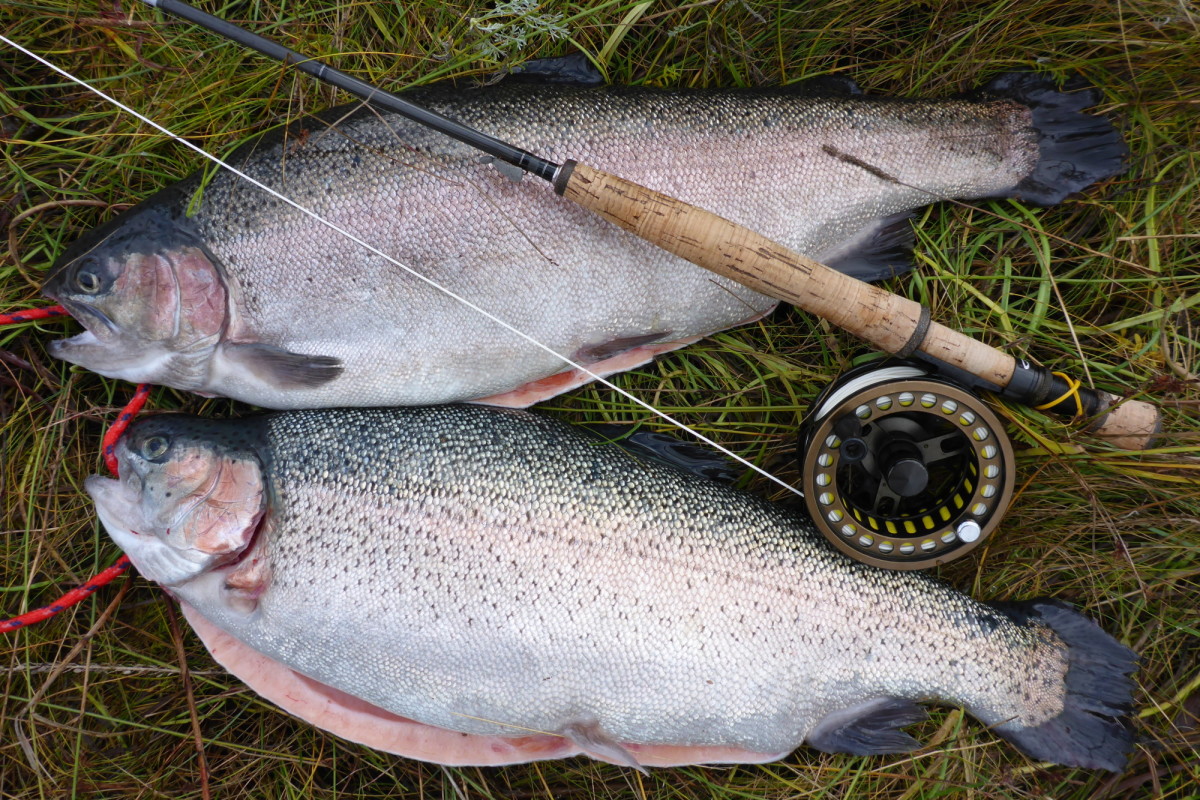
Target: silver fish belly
{"points": [[251, 299], [498, 574]]}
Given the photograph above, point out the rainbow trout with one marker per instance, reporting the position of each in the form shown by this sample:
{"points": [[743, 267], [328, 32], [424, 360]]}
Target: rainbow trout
{"points": [[481, 586], [249, 298]]}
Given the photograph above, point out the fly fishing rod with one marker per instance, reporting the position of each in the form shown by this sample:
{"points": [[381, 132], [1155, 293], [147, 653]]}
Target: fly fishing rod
{"points": [[892, 323]]}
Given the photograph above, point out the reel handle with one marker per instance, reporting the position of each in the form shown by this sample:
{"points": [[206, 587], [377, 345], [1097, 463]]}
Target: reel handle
{"points": [[895, 324]]}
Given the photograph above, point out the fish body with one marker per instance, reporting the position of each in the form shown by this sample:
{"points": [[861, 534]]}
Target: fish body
{"points": [[509, 584], [249, 298]]}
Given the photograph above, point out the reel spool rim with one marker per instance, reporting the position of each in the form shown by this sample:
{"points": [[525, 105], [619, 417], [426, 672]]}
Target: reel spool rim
{"points": [[867, 388]]}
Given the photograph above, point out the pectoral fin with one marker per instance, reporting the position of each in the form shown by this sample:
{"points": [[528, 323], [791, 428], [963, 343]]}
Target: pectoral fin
{"points": [[868, 728], [282, 368]]}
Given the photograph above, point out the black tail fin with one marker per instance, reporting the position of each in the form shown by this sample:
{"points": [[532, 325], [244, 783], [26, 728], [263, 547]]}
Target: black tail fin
{"points": [[1077, 149], [1091, 731]]}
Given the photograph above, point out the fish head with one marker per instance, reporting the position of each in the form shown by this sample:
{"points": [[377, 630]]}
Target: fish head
{"points": [[190, 497], [151, 298]]}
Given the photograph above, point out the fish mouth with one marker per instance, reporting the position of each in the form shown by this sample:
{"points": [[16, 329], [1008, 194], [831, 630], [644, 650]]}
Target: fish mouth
{"points": [[116, 504], [108, 491], [96, 323]]}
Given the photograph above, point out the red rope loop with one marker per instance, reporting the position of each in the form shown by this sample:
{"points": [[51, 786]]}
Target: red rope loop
{"points": [[67, 600], [31, 314], [110, 460], [109, 443]]}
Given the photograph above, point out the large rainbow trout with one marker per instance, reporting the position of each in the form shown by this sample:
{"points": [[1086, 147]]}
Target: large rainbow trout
{"points": [[250, 299], [479, 586]]}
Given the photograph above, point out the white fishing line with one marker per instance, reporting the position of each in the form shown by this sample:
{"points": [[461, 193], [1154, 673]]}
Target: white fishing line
{"points": [[333, 226]]}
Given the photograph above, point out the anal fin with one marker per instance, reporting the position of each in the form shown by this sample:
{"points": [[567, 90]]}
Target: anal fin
{"points": [[545, 388], [615, 356], [283, 368], [883, 252], [868, 728]]}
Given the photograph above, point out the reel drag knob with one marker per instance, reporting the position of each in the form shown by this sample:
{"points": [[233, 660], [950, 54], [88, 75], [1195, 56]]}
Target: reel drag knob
{"points": [[902, 469], [907, 477]]}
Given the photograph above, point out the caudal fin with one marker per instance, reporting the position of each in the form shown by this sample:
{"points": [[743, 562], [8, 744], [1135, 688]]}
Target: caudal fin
{"points": [[1092, 730], [1077, 149]]}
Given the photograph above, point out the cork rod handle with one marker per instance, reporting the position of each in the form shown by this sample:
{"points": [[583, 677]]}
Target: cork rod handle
{"points": [[892, 323]]}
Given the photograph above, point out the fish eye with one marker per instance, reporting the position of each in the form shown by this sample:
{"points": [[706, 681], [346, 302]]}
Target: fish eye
{"points": [[154, 447], [86, 277]]}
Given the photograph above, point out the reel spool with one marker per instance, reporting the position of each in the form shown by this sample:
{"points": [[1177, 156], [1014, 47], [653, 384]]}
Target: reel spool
{"points": [[902, 469]]}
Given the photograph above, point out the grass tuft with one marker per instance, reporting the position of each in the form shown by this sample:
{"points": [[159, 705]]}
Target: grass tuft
{"points": [[94, 703]]}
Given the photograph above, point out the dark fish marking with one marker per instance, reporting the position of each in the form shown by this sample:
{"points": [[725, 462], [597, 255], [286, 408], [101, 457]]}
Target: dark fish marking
{"points": [[858, 162], [592, 353], [283, 368]]}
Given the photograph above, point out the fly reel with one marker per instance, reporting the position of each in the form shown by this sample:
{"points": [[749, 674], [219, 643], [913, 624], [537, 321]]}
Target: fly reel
{"points": [[902, 469]]}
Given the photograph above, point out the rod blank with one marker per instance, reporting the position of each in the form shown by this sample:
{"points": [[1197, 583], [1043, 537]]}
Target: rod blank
{"points": [[377, 97]]}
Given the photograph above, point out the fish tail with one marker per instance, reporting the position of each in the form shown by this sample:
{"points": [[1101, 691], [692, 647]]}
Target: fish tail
{"points": [[1091, 731], [1076, 149]]}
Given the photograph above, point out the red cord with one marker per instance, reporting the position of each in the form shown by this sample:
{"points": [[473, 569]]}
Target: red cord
{"points": [[67, 600], [109, 443], [29, 315], [110, 460]]}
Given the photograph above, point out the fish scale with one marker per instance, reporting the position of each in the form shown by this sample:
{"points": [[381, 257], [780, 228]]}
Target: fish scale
{"points": [[496, 572]]}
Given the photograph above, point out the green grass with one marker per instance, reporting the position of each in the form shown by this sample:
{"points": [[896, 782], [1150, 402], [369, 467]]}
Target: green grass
{"points": [[94, 703]]}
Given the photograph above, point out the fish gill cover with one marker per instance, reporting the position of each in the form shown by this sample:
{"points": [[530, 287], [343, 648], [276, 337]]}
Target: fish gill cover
{"points": [[1108, 279]]}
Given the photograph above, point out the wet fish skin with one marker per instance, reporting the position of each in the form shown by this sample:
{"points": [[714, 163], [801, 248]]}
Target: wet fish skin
{"points": [[497, 572], [250, 299]]}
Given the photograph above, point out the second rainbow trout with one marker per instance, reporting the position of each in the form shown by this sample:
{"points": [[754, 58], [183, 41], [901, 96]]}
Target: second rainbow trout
{"points": [[483, 586]]}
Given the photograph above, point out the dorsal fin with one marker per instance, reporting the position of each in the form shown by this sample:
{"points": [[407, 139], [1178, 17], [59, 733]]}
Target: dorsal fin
{"points": [[573, 69], [823, 86], [665, 449]]}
